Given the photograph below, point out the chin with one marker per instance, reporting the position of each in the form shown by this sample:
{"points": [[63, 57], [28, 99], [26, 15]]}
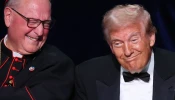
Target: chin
{"points": [[135, 70], [30, 51], [33, 51]]}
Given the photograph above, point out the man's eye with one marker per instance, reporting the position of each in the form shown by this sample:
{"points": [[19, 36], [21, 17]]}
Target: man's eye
{"points": [[134, 40], [33, 21], [118, 44]]}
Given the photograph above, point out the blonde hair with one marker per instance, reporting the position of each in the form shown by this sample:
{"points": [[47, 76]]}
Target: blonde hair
{"points": [[123, 15]]}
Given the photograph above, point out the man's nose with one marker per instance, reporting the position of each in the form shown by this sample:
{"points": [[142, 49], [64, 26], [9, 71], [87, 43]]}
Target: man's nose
{"points": [[128, 50], [39, 30]]}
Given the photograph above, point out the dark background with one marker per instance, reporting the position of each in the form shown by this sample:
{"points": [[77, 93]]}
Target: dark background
{"points": [[78, 32]]}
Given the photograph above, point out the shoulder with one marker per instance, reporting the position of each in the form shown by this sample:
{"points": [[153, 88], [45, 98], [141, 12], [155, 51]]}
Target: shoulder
{"points": [[164, 62], [97, 61], [162, 53], [97, 64], [53, 53], [164, 58]]}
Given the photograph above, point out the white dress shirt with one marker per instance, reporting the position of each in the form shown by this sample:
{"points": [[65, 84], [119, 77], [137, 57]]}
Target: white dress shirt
{"points": [[138, 89]]}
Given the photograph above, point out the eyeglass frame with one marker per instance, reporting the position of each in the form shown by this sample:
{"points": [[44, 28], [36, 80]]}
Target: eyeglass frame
{"points": [[52, 22]]}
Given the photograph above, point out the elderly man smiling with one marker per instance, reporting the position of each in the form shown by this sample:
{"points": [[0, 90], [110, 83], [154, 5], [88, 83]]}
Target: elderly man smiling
{"points": [[31, 69]]}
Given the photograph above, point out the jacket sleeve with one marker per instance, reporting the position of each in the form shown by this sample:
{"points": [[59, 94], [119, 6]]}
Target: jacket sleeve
{"points": [[79, 88], [54, 82]]}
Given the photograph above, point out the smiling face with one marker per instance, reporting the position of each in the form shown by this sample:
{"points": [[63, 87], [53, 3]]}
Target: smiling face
{"points": [[21, 38], [132, 46]]}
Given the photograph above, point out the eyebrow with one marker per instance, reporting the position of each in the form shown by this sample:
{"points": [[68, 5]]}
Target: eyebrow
{"points": [[130, 36], [115, 40], [133, 34]]}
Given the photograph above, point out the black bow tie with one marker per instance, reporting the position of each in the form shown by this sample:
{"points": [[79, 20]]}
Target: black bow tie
{"points": [[129, 77]]}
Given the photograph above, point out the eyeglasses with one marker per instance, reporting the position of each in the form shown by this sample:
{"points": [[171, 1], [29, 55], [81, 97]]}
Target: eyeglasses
{"points": [[33, 23]]}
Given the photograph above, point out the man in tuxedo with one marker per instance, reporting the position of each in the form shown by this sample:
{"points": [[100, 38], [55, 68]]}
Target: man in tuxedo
{"points": [[135, 70], [30, 69]]}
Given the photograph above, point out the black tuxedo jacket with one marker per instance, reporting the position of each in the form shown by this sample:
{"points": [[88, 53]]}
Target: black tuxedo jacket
{"points": [[52, 78], [99, 78]]}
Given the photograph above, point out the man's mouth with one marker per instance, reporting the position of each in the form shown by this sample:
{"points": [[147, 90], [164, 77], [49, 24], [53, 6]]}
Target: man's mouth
{"points": [[32, 38], [128, 59]]}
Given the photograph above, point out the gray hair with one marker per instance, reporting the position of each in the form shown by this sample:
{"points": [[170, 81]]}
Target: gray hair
{"points": [[14, 3], [123, 15]]}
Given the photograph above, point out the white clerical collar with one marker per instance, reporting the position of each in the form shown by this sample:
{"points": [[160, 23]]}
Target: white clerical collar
{"points": [[15, 54]]}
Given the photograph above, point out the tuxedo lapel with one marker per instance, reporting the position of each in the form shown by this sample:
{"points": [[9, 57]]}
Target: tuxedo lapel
{"points": [[163, 89], [164, 78], [157, 87], [108, 88], [106, 92]]}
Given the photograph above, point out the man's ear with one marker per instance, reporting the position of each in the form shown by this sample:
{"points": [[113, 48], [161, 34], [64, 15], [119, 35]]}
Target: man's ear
{"points": [[152, 39], [7, 16]]}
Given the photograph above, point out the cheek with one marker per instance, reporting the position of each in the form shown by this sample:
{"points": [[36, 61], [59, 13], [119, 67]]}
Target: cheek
{"points": [[18, 22], [46, 32], [142, 62], [20, 29], [141, 46], [144, 58], [118, 52]]}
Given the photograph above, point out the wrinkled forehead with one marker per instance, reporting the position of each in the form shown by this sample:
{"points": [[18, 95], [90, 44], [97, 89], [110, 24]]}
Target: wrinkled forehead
{"points": [[43, 4], [139, 25], [31, 6], [38, 9]]}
